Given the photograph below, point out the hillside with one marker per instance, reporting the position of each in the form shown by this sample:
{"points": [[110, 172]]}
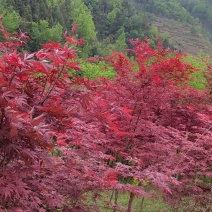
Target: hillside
{"points": [[182, 37], [188, 23], [107, 25]]}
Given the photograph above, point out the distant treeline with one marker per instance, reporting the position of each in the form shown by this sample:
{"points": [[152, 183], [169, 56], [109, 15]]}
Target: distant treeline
{"points": [[104, 24]]}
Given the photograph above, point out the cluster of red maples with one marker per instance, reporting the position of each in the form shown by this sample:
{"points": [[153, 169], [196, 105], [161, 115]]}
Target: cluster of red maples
{"points": [[62, 137]]}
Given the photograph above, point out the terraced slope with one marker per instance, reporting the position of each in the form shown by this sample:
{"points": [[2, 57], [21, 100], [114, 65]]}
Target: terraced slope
{"points": [[181, 36]]}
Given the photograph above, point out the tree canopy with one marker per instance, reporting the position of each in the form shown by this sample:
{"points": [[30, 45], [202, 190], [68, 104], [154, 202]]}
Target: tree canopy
{"points": [[66, 138]]}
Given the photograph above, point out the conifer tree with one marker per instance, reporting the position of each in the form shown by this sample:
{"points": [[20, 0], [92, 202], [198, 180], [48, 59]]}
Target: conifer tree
{"points": [[86, 28]]}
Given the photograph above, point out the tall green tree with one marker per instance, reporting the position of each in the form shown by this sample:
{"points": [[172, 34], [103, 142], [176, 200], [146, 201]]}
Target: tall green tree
{"points": [[42, 33], [81, 15], [120, 43], [11, 21]]}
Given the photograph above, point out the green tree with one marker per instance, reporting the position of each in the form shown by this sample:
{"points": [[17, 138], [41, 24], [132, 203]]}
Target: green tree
{"points": [[56, 32], [11, 21], [120, 43], [42, 33], [135, 26], [27, 13], [81, 15]]}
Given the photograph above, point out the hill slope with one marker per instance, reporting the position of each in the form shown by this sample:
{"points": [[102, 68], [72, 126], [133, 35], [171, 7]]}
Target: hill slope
{"points": [[187, 22], [107, 25], [182, 36]]}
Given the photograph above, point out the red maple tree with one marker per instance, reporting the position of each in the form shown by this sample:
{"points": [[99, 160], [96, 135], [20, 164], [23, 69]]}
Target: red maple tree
{"points": [[62, 137], [42, 110], [158, 127]]}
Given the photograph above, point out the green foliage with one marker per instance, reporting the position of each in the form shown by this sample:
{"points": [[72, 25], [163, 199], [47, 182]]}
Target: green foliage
{"points": [[111, 16], [116, 22], [201, 9], [56, 32], [86, 28], [54, 2], [164, 37], [197, 79], [197, 13], [11, 21], [136, 26], [2, 9], [120, 43], [100, 21], [94, 70], [42, 33], [117, 8], [82, 16], [172, 9], [106, 47], [196, 30]]}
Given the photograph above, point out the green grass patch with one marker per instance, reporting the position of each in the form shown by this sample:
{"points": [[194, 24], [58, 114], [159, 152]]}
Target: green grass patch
{"points": [[139, 204], [95, 70], [197, 79]]}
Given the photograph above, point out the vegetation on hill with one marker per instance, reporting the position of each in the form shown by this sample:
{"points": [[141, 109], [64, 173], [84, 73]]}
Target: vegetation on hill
{"points": [[198, 13], [106, 25], [187, 23], [202, 10], [182, 37]]}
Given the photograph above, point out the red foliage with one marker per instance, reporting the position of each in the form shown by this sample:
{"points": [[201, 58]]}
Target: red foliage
{"points": [[42, 111], [61, 137], [167, 128]]}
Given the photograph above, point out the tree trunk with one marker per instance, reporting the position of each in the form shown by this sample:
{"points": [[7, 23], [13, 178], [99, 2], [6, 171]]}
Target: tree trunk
{"points": [[116, 199], [111, 197], [130, 203], [142, 203]]}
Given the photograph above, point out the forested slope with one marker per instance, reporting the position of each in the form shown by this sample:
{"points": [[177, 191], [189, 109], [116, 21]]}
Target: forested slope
{"points": [[188, 24], [182, 36], [108, 24]]}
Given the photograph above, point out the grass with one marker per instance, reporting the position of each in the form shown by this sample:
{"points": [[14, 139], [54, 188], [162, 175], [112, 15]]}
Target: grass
{"points": [[154, 204], [148, 204], [197, 79]]}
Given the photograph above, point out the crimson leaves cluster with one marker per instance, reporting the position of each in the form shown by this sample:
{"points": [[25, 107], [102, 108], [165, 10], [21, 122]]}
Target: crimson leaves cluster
{"points": [[63, 138]]}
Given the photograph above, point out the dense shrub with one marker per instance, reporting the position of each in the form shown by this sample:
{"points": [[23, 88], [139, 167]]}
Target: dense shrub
{"points": [[62, 136]]}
